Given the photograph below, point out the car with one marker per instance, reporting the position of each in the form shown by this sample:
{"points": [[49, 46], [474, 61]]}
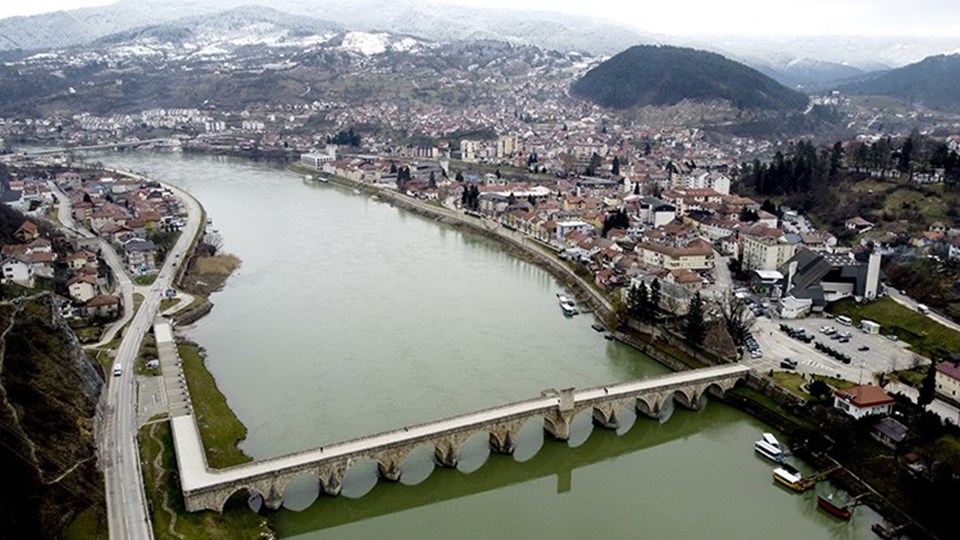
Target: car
{"points": [[788, 363], [843, 340], [863, 348], [892, 337]]}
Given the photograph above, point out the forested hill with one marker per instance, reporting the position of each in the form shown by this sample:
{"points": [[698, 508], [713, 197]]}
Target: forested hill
{"points": [[662, 76], [933, 82]]}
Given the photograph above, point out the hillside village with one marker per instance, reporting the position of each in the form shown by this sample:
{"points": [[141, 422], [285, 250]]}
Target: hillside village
{"points": [[138, 220]]}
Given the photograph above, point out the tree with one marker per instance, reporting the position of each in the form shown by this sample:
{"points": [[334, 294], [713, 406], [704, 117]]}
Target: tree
{"points": [[928, 386], [647, 149], [737, 317], [433, 180], [615, 169], [696, 326], [906, 153], [618, 219], [595, 162], [819, 389], [636, 188], [638, 301], [835, 159], [654, 299], [498, 174], [459, 177], [393, 167]]}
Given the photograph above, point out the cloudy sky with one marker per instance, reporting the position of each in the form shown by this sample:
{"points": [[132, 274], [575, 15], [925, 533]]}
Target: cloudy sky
{"points": [[698, 17]]}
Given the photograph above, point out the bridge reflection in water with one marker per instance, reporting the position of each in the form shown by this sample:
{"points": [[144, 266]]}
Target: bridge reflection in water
{"points": [[365, 498]]}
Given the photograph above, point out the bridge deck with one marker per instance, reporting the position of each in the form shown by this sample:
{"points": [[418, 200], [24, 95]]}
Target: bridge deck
{"points": [[195, 475]]}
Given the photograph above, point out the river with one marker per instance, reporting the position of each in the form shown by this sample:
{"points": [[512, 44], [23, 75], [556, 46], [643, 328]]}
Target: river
{"points": [[349, 316]]}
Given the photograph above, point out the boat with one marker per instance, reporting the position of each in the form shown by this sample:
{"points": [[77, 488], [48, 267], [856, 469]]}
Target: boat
{"points": [[842, 512], [597, 326], [567, 305], [886, 532], [307, 177], [323, 179], [769, 447], [789, 476], [356, 191]]}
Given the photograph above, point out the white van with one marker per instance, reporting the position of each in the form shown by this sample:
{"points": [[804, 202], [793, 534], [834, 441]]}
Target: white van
{"points": [[844, 320], [923, 309], [117, 370]]}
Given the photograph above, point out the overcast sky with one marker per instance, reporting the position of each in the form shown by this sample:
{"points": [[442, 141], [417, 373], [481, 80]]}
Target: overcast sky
{"points": [[698, 17]]}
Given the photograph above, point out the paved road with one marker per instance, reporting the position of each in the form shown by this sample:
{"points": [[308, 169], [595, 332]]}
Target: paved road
{"points": [[912, 304], [126, 504], [109, 255]]}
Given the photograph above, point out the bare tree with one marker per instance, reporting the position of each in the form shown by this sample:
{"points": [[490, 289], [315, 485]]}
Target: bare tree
{"points": [[737, 317]]}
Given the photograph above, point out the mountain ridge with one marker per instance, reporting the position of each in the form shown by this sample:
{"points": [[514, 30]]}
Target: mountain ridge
{"points": [[665, 75]]}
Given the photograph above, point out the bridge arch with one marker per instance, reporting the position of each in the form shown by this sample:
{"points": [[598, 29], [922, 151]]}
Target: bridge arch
{"points": [[474, 452], [689, 399], [530, 439], [418, 464], [230, 496], [360, 477], [581, 427], [301, 491]]}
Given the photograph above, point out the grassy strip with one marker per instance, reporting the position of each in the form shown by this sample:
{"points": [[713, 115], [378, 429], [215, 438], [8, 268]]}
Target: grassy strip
{"points": [[168, 303], [925, 336], [145, 280], [220, 429], [163, 492], [911, 377]]}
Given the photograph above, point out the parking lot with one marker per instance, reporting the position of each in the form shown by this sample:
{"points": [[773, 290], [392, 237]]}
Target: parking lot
{"points": [[883, 354]]}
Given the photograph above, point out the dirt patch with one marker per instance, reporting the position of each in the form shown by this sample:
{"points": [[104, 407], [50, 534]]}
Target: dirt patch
{"points": [[207, 274]]}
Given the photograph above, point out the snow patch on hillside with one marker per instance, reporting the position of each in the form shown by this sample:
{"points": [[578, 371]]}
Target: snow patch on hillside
{"points": [[365, 43]]}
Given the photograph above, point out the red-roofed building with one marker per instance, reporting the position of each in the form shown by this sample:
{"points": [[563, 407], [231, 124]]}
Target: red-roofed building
{"points": [[948, 379], [864, 400]]}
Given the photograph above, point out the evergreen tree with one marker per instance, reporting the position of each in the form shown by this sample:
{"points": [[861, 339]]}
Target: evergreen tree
{"points": [[459, 177], [393, 168], [433, 180], [928, 387], [636, 188], [696, 326], [654, 299], [835, 158], [647, 149], [906, 153], [615, 169]]}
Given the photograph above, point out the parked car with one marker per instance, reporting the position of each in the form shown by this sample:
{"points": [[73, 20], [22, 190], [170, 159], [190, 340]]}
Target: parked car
{"points": [[788, 363], [863, 348]]}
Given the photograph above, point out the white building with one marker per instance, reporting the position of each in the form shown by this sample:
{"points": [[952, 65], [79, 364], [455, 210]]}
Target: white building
{"points": [[864, 400]]}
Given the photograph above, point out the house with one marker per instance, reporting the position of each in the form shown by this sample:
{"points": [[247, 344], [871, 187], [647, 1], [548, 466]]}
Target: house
{"points": [[953, 252], [82, 288], [863, 400], [947, 378], [140, 255], [16, 268], [102, 306], [858, 224], [27, 232], [889, 432]]}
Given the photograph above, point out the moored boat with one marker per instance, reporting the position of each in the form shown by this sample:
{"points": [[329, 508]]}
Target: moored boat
{"points": [[769, 447], [567, 305], [791, 477], [842, 512]]}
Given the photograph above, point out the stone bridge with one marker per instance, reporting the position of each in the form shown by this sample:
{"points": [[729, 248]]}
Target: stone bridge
{"points": [[208, 489]]}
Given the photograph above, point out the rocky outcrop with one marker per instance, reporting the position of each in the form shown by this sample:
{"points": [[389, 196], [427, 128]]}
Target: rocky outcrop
{"points": [[49, 395]]}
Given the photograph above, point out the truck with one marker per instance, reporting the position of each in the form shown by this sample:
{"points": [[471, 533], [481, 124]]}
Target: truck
{"points": [[869, 327]]}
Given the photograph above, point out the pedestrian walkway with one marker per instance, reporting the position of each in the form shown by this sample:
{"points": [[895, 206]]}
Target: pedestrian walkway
{"points": [[173, 380]]}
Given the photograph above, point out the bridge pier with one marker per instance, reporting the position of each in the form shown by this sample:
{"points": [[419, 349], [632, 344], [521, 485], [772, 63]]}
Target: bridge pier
{"points": [[390, 464], [446, 451], [331, 478], [274, 500], [606, 415], [557, 423], [503, 437]]}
